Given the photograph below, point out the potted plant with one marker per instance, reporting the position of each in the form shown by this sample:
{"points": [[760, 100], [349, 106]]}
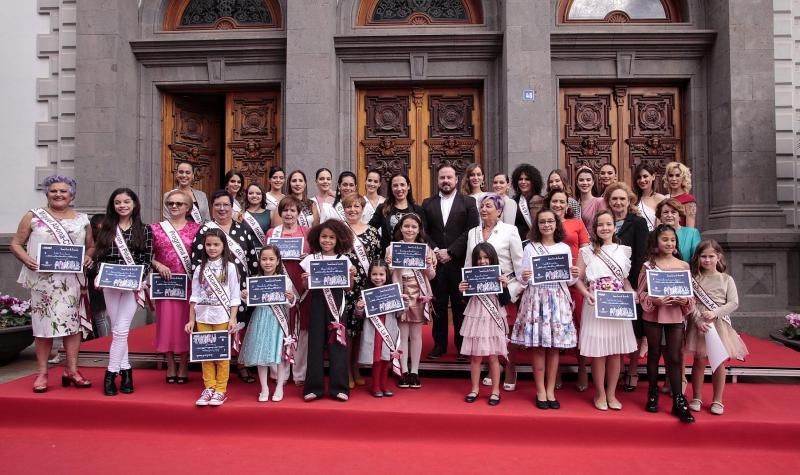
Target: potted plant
{"points": [[790, 334], [15, 327]]}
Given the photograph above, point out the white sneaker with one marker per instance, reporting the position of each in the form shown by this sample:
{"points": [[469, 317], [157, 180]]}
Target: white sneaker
{"points": [[218, 399], [263, 397], [205, 397]]}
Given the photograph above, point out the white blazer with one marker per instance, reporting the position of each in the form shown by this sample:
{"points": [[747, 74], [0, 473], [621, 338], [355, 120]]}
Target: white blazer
{"points": [[505, 240]]}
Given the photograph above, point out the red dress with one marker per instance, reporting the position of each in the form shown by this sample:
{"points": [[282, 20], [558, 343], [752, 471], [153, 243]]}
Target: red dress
{"points": [[684, 199], [576, 236]]}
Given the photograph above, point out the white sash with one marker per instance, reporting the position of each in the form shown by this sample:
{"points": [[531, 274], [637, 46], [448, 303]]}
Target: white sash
{"points": [[62, 236], [234, 246], [289, 342], [340, 211], [218, 289], [612, 265], [277, 231], [368, 208], [542, 251], [305, 217], [141, 297], [707, 301], [494, 312], [423, 289], [336, 312], [394, 354], [650, 223], [237, 208], [177, 245], [251, 221], [360, 251], [271, 200], [523, 208]]}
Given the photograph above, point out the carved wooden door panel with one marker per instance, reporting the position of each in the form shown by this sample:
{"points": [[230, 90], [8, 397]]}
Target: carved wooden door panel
{"points": [[252, 134], [415, 130], [191, 132], [622, 125]]}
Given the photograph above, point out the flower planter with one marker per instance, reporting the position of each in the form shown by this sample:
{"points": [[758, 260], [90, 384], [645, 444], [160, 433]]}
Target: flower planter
{"points": [[13, 340], [777, 335]]}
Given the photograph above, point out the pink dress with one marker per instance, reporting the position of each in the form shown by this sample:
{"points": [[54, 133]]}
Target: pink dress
{"points": [[663, 314], [590, 209], [172, 315], [482, 335]]}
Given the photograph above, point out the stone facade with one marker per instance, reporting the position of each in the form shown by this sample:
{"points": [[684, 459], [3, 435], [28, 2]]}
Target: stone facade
{"points": [[720, 54]]}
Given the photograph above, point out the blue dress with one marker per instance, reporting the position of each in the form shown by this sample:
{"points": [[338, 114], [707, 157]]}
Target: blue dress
{"points": [[263, 341]]}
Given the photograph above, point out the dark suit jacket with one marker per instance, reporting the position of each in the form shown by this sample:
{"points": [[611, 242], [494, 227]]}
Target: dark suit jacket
{"points": [[633, 234], [453, 237]]}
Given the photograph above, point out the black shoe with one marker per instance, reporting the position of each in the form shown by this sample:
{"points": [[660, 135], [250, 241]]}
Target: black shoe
{"points": [[681, 410], [554, 404], [414, 382], [462, 358], [494, 399], [436, 353], [404, 381], [542, 404], [126, 381], [652, 400], [631, 380], [471, 397], [110, 384]]}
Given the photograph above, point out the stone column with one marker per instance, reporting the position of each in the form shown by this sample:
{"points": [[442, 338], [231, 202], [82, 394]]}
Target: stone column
{"points": [[106, 146], [744, 216], [311, 94], [528, 126]]}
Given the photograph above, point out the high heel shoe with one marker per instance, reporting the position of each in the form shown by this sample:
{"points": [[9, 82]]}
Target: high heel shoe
{"points": [[652, 400], [76, 379], [680, 409], [126, 381], [631, 381], [40, 383], [110, 384]]}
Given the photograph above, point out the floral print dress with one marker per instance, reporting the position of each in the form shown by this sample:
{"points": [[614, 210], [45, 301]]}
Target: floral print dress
{"points": [[55, 297]]}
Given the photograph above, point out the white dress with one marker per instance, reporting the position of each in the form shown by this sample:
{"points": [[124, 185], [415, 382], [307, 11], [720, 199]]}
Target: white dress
{"points": [[602, 337], [649, 215]]}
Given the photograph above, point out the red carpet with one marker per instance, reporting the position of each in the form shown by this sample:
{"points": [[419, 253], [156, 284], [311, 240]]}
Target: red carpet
{"points": [[158, 430], [763, 353]]}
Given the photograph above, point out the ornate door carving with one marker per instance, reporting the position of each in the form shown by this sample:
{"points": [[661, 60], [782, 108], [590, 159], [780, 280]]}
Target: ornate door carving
{"points": [[621, 125], [251, 134], [415, 130], [192, 133]]}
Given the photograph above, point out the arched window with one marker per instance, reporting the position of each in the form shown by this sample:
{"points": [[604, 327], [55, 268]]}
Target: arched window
{"points": [[618, 11], [419, 12], [187, 15]]}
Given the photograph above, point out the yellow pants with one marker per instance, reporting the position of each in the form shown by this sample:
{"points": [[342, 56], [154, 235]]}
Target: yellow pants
{"points": [[215, 373]]}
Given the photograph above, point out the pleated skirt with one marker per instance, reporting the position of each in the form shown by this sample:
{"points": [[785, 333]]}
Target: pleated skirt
{"points": [[602, 337]]}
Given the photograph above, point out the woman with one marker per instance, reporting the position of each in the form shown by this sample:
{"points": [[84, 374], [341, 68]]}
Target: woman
{"points": [[473, 183], [345, 186], [399, 203], [606, 176], [277, 178], [576, 237], [527, 182], [308, 213], [289, 209], [366, 248], [372, 185], [678, 182], [57, 309], [325, 195], [671, 211], [500, 184], [646, 197], [172, 240], [241, 243], [184, 175], [631, 230], [256, 217], [123, 239], [505, 240], [557, 180], [234, 181], [590, 202]]}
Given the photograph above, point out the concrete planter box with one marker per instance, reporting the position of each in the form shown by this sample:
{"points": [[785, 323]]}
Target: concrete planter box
{"points": [[13, 340]]}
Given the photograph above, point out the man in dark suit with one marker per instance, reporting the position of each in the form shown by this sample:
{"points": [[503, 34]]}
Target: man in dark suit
{"points": [[449, 215]]}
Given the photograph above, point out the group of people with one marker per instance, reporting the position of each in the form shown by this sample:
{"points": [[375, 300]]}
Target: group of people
{"points": [[611, 234]]}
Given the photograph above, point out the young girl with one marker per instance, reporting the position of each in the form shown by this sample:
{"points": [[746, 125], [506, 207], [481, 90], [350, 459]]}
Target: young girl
{"points": [[123, 239], [716, 298], [213, 306], [263, 345], [374, 351], [484, 327], [544, 321], [604, 266], [329, 240], [416, 288], [664, 315]]}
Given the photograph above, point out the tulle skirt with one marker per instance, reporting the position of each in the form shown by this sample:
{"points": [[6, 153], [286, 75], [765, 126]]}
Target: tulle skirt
{"points": [[482, 335], [696, 341]]}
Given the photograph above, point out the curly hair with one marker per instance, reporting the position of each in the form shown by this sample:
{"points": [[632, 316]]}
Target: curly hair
{"points": [[686, 174], [344, 238], [52, 179], [533, 175]]}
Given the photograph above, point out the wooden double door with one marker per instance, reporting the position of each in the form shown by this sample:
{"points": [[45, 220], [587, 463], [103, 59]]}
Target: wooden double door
{"points": [[217, 132], [415, 130], [622, 125]]}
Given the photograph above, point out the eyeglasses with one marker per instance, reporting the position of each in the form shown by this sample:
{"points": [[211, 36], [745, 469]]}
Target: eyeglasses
{"points": [[221, 205], [170, 204], [548, 221]]}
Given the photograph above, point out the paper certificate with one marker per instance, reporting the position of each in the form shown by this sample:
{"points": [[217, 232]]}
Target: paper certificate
{"points": [[615, 305], [408, 255], [381, 300], [550, 269], [267, 290], [60, 258], [117, 276], [673, 283], [330, 273], [175, 288], [291, 248], [210, 346], [482, 280]]}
